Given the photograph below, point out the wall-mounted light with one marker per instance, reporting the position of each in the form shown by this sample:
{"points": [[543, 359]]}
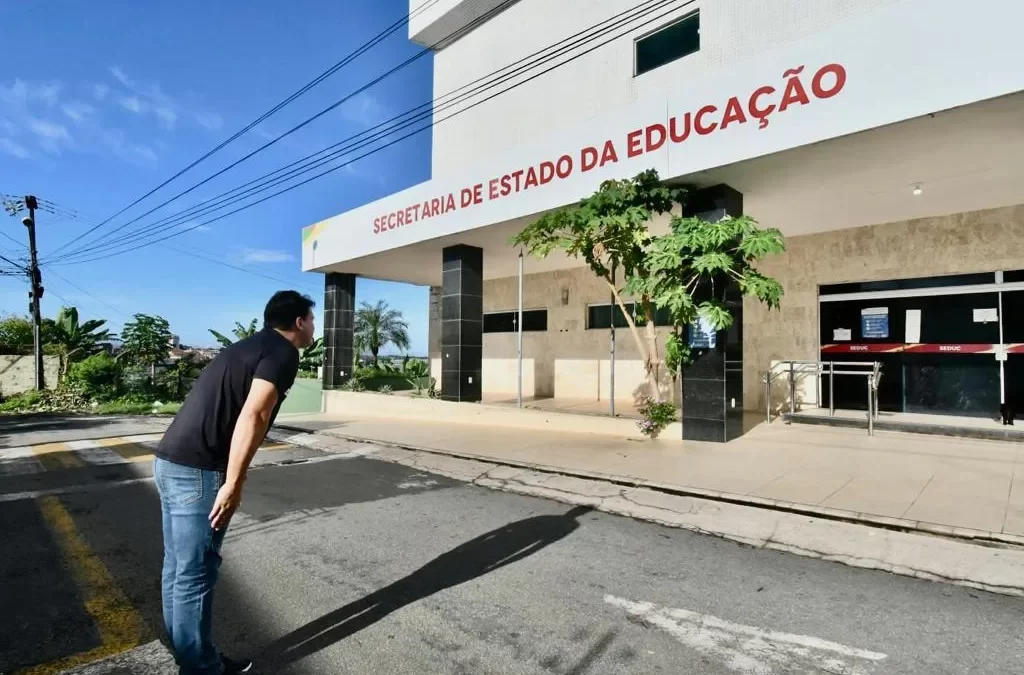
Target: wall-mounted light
{"points": [[565, 297], [916, 191]]}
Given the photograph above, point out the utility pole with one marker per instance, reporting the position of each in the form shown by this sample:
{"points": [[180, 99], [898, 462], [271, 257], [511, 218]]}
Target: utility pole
{"points": [[36, 294]]}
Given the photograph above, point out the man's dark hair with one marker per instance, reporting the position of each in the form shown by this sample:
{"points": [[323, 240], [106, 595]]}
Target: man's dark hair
{"points": [[285, 307]]}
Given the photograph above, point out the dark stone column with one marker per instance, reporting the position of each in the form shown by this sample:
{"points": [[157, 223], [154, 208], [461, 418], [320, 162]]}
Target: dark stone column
{"points": [[339, 321], [713, 383], [462, 316]]}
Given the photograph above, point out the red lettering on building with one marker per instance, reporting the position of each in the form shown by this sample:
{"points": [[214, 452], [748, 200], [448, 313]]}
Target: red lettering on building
{"points": [[761, 104]]}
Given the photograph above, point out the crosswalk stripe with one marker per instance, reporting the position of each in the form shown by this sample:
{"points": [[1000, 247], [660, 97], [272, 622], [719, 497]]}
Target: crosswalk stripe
{"points": [[132, 452], [29, 459], [56, 456], [18, 461], [94, 453]]}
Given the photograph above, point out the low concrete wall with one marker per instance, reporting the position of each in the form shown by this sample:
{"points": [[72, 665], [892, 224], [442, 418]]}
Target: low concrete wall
{"points": [[18, 373], [357, 405]]}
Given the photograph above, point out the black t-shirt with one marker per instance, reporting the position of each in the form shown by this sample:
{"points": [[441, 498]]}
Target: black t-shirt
{"points": [[200, 435]]}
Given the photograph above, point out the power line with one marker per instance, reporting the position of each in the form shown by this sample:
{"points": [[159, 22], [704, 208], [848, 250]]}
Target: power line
{"points": [[321, 113], [234, 267], [79, 288], [380, 37], [139, 234], [10, 238], [419, 113], [78, 216]]}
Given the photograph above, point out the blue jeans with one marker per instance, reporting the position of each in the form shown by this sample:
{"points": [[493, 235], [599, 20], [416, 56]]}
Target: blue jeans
{"points": [[191, 563]]}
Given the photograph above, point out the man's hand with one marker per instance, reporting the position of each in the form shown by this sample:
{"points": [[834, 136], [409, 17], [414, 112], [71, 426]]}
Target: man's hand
{"points": [[228, 499]]}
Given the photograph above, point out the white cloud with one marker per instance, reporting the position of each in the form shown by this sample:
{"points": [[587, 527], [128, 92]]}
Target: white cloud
{"points": [[129, 151], [211, 121], [258, 255], [167, 116], [35, 113], [121, 77], [263, 133], [50, 130], [9, 147], [145, 98], [77, 111], [50, 134], [131, 104], [364, 109], [21, 94]]}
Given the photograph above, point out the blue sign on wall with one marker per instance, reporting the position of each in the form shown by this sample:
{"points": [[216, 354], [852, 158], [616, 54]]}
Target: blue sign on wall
{"points": [[702, 334], [874, 323]]}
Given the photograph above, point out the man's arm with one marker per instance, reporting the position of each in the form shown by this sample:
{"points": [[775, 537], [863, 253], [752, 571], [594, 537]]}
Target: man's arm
{"points": [[250, 430]]}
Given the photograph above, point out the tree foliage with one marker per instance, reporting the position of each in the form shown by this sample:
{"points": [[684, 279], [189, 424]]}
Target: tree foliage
{"points": [[687, 271], [15, 335], [610, 231], [312, 357], [239, 331], [146, 341], [377, 326]]}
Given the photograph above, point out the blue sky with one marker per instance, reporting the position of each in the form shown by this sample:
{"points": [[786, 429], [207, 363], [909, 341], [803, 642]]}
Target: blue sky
{"points": [[102, 101]]}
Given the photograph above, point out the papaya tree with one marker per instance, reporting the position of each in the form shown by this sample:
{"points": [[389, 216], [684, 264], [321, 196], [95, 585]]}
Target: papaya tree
{"points": [[686, 271], [609, 231], [692, 268]]}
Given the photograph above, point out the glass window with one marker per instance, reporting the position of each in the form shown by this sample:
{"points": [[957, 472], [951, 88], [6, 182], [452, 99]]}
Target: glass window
{"points": [[534, 320], [672, 42], [601, 316]]}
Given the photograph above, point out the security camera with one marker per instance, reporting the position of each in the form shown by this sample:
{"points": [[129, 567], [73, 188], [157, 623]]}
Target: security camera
{"points": [[26, 221]]}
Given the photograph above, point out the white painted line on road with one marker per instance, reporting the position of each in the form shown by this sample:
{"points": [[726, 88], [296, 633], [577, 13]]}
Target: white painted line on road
{"points": [[142, 438], [19, 461], [18, 452], [71, 489], [750, 650], [92, 452]]}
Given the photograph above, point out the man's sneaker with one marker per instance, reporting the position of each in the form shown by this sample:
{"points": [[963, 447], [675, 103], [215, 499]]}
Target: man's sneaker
{"points": [[232, 666]]}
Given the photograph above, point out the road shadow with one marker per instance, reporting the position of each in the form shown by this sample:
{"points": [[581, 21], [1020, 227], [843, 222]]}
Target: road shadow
{"points": [[475, 558], [118, 531], [35, 428]]}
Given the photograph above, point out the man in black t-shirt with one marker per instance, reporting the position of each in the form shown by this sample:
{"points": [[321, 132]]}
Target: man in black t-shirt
{"points": [[201, 464]]}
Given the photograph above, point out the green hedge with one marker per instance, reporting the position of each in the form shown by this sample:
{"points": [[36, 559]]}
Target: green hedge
{"points": [[396, 382]]}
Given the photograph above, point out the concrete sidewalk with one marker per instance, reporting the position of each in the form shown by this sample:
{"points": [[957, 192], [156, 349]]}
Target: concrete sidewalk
{"points": [[952, 487]]}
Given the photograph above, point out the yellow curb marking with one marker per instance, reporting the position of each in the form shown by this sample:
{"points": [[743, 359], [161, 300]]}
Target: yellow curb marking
{"points": [[56, 456], [118, 623]]}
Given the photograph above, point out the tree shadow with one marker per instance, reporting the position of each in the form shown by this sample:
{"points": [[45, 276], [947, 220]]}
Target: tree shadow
{"points": [[473, 559]]}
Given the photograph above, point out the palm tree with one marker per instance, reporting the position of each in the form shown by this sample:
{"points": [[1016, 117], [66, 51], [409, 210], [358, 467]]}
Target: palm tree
{"points": [[240, 332], [377, 326], [75, 341]]}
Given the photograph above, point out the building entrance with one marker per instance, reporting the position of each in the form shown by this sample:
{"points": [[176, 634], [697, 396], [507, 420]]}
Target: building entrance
{"points": [[950, 345]]}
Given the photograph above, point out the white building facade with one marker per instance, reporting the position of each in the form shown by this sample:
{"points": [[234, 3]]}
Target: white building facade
{"points": [[884, 138]]}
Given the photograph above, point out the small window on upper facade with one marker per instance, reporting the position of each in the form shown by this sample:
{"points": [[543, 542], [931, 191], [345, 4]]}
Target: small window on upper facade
{"points": [[668, 44], [534, 321]]}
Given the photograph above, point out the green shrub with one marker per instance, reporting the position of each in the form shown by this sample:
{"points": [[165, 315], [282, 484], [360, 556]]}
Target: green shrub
{"points": [[415, 369], [354, 384], [385, 389], [21, 402], [66, 398], [99, 376], [657, 416]]}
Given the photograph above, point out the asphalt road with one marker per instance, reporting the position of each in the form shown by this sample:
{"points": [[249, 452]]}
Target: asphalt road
{"points": [[355, 566]]}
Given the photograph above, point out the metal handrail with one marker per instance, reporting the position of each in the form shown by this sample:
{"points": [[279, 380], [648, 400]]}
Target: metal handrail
{"points": [[821, 368]]}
